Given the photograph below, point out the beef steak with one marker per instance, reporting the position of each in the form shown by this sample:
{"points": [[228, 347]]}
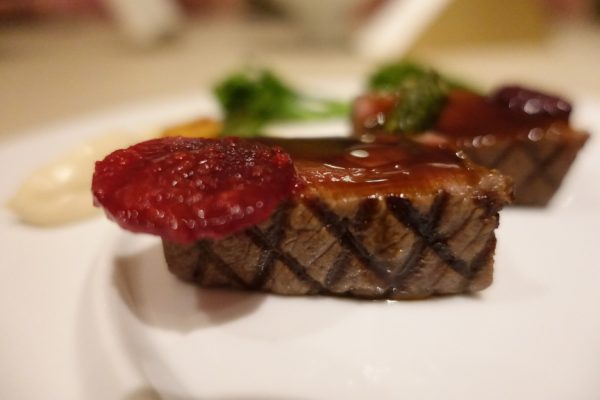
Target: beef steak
{"points": [[397, 220], [524, 134]]}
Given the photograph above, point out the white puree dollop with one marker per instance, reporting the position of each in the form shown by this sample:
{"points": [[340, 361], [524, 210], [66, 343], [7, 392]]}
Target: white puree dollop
{"points": [[60, 192]]}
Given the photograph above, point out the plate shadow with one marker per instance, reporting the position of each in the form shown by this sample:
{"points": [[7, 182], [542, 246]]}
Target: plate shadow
{"points": [[157, 298]]}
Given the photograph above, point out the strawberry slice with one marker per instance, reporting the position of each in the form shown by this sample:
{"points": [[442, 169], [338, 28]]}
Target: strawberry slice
{"points": [[186, 189]]}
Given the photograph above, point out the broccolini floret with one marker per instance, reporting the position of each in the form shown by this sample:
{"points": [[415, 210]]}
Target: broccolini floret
{"points": [[252, 99]]}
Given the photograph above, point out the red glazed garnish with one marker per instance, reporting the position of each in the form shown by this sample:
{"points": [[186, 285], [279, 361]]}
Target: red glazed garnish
{"points": [[531, 102], [186, 189]]}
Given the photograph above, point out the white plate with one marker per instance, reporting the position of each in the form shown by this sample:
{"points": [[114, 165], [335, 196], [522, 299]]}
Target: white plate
{"points": [[70, 296]]}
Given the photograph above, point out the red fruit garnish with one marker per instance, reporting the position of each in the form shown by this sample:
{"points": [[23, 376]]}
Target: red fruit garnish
{"points": [[186, 189], [531, 101]]}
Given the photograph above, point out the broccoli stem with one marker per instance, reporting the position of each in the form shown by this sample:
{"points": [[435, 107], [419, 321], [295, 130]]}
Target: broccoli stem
{"points": [[252, 99]]}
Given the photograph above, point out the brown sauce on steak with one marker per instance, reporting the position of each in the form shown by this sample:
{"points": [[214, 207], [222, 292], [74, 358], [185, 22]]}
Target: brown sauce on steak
{"points": [[381, 166]]}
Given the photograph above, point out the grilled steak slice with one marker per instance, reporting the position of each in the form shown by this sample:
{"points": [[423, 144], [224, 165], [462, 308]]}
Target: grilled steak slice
{"points": [[532, 143], [397, 221]]}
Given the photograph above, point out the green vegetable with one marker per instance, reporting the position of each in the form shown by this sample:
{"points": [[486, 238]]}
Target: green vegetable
{"points": [[252, 99], [390, 76], [421, 92], [421, 99]]}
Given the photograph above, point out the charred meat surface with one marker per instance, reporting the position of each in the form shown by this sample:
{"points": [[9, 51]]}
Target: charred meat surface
{"points": [[397, 220], [524, 134]]}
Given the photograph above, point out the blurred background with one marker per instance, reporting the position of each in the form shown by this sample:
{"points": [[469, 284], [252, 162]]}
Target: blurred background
{"points": [[61, 58]]}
